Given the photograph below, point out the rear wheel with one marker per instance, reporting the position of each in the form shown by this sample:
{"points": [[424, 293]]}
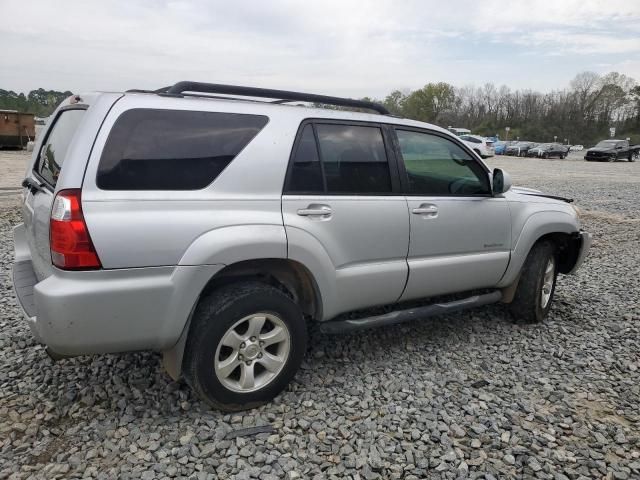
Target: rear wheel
{"points": [[537, 285], [245, 345]]}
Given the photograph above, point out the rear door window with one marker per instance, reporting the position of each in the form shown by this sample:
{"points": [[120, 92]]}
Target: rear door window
{"points": [[151, 149], [341, 160], [306, 171], [54, 148], [354, 159]]}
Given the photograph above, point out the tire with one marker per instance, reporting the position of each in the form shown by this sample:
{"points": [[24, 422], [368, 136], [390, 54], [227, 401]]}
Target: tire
{"points": [[611, 159], [634, 156], [529, 305], [545, 155], [220, 374]]}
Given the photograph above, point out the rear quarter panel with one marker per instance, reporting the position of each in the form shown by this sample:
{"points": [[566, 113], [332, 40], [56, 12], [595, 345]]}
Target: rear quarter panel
{"points": [[155, 228]]}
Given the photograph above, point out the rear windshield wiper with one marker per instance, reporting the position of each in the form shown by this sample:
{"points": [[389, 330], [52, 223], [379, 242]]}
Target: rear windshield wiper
{"points": [[32, 185]]}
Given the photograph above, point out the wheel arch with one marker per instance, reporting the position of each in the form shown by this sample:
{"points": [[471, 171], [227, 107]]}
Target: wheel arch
{"points": [[290, 276], [560, 227], [567, 247]]}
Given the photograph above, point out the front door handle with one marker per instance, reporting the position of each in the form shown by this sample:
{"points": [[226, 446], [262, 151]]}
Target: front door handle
{"points": [[426, 209], [315, 210]]}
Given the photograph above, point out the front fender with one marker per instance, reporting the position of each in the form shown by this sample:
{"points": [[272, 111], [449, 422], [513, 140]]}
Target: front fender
{"points": [[535, 227], [228, 245]]}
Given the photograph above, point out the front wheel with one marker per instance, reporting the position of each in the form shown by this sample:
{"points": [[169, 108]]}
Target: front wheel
{"points": [[245, 345], [537, 284], [634, 156]]}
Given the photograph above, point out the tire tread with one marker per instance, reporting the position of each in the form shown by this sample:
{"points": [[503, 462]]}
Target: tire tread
{"points": [[525, 306], [209, 307]]}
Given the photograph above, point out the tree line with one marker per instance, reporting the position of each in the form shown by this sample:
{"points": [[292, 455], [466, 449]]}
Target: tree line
{"points": [[582, 113], [40, 102]]}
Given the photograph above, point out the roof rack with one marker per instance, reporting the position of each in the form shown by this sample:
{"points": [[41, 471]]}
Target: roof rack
{"points": [[281, 96]]}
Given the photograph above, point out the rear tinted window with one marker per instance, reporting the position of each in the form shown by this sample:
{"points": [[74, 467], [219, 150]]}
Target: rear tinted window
{"points": [[54, 148], [306, 173], [171, 149], [352, 159]]}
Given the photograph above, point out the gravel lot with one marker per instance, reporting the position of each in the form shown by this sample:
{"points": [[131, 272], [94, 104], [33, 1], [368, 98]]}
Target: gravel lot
{"points": [[467, 395]]}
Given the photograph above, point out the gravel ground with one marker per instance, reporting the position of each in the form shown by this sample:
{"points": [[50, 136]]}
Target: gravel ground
{"points": [[467, 395]]}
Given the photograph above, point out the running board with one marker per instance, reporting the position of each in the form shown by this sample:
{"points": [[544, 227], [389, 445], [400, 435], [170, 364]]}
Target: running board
{"points": [[401, 316]]}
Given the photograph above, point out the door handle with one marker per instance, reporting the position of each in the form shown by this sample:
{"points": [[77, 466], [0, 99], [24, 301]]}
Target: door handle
{"points": [[315, 211], [426, 209]]}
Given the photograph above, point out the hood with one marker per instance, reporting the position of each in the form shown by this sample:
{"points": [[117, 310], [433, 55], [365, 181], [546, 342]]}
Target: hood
{"points": [[601, 150], [532, 194], [524, 190]]}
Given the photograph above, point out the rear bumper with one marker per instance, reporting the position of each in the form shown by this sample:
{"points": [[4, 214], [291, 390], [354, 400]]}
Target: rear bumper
{"points": [[108, 311], [585, 245], [24, 279]]}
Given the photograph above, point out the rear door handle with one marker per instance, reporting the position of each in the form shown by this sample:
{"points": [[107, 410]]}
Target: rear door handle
{"points": [[315, 210], [426, 209]]}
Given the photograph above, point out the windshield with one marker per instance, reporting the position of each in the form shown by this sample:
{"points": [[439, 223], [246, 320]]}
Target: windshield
{"points": [[606, 144]]}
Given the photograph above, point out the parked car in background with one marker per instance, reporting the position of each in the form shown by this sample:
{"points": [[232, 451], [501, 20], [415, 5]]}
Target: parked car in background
{"points": [[612, 150], [459, 131], [499, 147], [482, 146], [576, 148], [548, 150], [519, 149]]}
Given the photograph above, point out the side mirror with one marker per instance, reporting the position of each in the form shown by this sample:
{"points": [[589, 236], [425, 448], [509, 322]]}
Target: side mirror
{"points": [[501, 181]]}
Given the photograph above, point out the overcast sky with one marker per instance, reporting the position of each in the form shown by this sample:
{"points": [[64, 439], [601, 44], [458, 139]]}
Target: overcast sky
{"points": [[343, 47]]}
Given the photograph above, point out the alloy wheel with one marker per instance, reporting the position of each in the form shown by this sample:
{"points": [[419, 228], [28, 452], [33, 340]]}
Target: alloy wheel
{"points": [[547, 282], [252, 352]]}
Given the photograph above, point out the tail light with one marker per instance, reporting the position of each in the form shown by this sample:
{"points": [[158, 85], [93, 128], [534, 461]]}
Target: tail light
{"points": [[71, 246]]}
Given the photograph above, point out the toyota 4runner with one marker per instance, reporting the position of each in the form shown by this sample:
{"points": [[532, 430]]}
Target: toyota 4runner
{"points": [[214, 229]]}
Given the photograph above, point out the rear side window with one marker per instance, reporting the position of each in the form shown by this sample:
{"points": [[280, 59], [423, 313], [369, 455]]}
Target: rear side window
{"points": [[54, 148], [306, 172], [353, 160], [172, 149]]}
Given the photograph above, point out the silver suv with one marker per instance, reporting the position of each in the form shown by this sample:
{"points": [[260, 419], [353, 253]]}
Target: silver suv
{"points": [[215, 229]]}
